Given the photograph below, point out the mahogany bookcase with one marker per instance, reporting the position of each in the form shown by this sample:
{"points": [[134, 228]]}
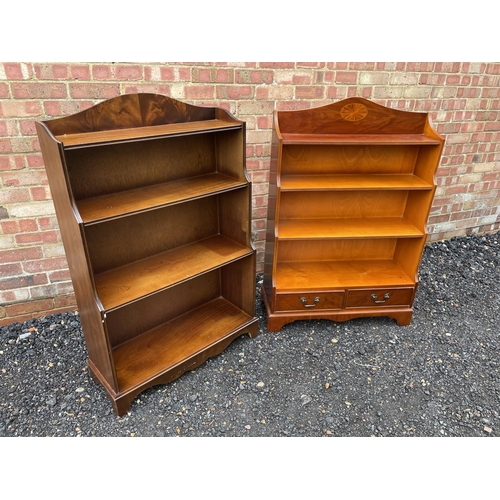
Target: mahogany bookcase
{"points": [[351, 187], [153, 204]]}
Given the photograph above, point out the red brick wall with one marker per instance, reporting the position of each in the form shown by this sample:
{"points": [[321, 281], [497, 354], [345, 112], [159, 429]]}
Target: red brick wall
{"points": [[463, 99]]}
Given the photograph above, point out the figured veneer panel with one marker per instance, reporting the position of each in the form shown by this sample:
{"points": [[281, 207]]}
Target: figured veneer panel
{"points": [[334, 118]]}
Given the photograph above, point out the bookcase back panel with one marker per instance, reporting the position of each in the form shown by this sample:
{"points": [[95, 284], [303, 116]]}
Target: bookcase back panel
{"points": [[329, 250], [337, 204], [320, 159], [120, 167], [122, 241], [138, 317]]}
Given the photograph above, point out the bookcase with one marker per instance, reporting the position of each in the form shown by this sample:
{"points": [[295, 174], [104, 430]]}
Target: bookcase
{"points": [[351, 187], [153, 204]]}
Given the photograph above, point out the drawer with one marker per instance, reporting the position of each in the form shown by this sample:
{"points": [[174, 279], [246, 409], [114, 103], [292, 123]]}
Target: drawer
{"points": [[309, 301], [379, 297]]}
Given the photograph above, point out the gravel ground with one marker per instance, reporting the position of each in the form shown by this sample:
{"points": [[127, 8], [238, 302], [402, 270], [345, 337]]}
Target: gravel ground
{"points": [[367, 377]]}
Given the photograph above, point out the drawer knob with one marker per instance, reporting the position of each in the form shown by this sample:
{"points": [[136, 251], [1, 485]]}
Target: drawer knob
{"points": [[304, 301], [374, 297]]}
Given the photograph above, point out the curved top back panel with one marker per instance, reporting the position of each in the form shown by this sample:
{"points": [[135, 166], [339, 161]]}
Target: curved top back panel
{"points": [[129, 111], [351, 116]]}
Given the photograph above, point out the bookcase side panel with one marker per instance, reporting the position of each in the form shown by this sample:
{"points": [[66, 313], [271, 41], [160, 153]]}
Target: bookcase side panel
{"points": [[270, 256], [230, 153], [73, 241]]}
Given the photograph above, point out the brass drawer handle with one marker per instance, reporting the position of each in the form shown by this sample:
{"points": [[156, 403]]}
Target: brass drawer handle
{"points": [[304, 301], [374, 297]]}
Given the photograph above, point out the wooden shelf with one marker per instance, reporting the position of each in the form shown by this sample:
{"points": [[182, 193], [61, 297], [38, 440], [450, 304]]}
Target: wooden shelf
{"points": [[361, 139], [383, 227], [326, 275], [102, 137], [133, 281], [113, 205], [167, 345], [353, 182]]}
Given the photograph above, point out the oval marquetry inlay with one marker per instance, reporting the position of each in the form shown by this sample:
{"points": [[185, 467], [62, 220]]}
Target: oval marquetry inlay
{"points": [[353, 112]]}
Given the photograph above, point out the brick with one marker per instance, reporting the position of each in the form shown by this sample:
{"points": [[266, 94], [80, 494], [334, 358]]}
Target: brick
{"points": [[254, 76], [289, 65], [36, 238], [65, 108], [199, 91], [235, 92], [255, 107], [59, 276], [12, 283], [54, 250], [405, 78], [159, 73], [287, 77], [20, 255], [99, 91], [387, 92], [337, 92], [346, 77], [14, 295], [146, 88], [20, 108], [375, 78], [310, 65], [281, 92], [51, 71], [51, 290], [65, 303], [17, 71], [39, 90], [263, 122], [24, 178], [37, 266], [12, 269], [29, 307], [6, 241], [309, 92], [40, 193], [27, 127], [13, 195], [79, 71], [493, 68], [4, 90]]}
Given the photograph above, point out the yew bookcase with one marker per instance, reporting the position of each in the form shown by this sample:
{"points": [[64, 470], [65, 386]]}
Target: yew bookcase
{"points": [[351, 187], [153, 203]]}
